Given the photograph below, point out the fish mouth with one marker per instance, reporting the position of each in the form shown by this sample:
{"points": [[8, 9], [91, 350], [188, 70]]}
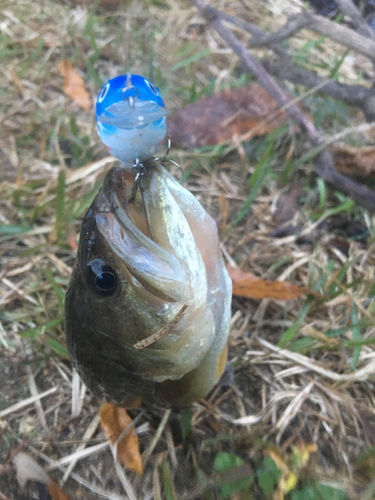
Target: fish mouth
{"points": [[156, 269]]}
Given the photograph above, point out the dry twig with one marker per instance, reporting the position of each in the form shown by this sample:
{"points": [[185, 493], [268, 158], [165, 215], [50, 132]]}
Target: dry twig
{"points": [[323, 165], [163, 331], [283, 67]]}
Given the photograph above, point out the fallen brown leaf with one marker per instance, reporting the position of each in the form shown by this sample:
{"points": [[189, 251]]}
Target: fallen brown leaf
{"points": [[248, 285], [28, 469], [224, 210], [354, 161], [299, 459], [288, 479], [302, 453], [308, 330], [74, 86], [288, 204], [114, 420], [17, 81], [217, 118], [56, 492]]}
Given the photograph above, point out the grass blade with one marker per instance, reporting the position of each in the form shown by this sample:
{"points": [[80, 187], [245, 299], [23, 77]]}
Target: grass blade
{"points": [[356, 331], [256, 182], [60, 206]]}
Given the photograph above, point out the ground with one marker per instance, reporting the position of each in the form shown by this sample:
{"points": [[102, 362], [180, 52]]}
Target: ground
{"points": [[303, 369]]}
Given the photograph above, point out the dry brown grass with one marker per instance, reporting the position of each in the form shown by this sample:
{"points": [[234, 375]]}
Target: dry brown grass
{"points": [[279, 396]]}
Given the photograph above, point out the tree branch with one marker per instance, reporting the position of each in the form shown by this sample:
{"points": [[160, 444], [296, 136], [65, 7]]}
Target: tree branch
{"points": [[348, 8], [354, 95], [254, 66], [323, 165], [313, 22]]}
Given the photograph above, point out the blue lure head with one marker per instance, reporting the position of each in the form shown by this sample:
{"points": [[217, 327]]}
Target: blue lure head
{"points": [[131, 118]]}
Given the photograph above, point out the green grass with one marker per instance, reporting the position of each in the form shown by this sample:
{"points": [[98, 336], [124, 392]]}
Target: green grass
{"points": [[53, 139]]}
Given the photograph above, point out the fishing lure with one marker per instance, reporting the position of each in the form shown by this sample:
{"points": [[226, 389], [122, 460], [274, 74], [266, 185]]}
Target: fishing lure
{"points": [[131, 118]]}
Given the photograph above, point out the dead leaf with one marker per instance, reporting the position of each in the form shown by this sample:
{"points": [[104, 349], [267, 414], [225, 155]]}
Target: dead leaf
{"points": [[114, 420], [290, 466], [224, 210], [310, 331], [56, 492], [74, 86], [288, 204], [17, 81], [302, 452], [248, 285], [354, 161], [217, 118], [28, 469], [288, 480]]}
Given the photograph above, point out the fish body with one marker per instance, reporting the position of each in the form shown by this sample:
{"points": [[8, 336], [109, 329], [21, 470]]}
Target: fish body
{"points": [[131, 118], [138, 266]]}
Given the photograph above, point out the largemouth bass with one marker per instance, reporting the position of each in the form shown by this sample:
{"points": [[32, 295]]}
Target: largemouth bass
{"points": [[147, 310]]}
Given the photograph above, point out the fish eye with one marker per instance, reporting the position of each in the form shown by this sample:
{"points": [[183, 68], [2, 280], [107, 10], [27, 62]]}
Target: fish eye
{"points": [[103, 92], [101, 278], [152, 87]]}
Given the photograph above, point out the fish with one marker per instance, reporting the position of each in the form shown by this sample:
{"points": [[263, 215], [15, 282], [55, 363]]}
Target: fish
{"points": [[148, 307], [131, 118]]}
